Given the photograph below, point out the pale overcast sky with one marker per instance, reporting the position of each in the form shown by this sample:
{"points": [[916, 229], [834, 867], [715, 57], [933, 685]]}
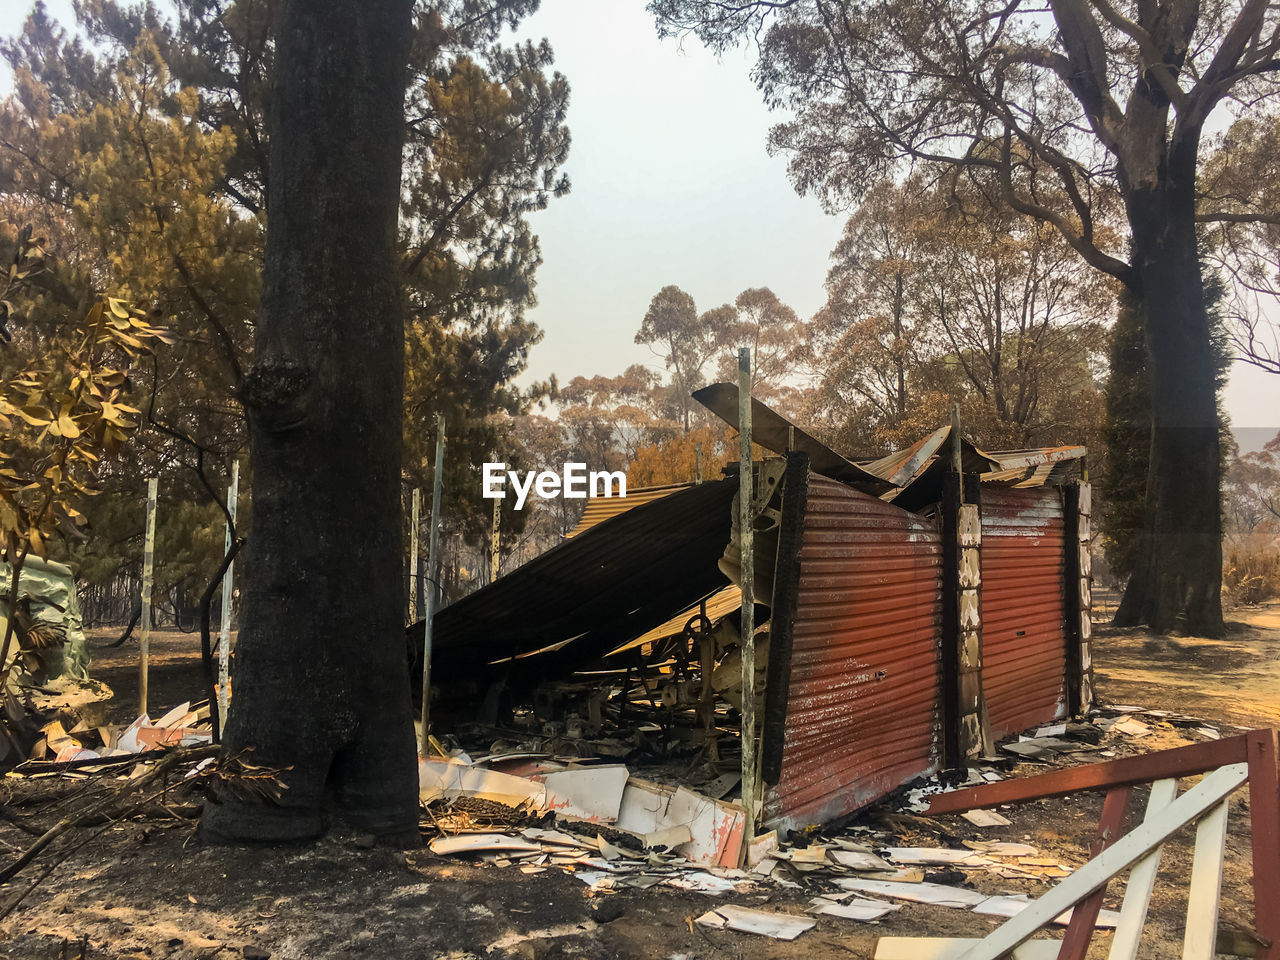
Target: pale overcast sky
{"points": [[672, 184]]}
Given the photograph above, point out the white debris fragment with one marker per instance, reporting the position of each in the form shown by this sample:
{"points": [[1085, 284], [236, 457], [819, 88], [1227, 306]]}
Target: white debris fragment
{"points": [[859, 860], [1131, 726], [779, 926], [940, 894], [985, 818], [480, 842], [762, 848], [938, 855], [702, 883], [855, 909]]}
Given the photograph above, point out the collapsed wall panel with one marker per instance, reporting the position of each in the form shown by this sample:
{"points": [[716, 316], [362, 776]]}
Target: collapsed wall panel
{"points": [[1023, 611], [862, 711]]}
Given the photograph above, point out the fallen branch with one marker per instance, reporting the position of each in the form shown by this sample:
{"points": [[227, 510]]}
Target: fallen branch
{"points": [[128, 631], [94, 809], [58, 766]]}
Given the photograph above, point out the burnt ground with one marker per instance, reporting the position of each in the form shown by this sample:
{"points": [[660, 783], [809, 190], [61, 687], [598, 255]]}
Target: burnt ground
{"points": [[174, 671], [149, 889]]}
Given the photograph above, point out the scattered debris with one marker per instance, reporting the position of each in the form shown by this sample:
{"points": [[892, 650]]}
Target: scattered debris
{"points": [[58, 750], [985, 818], [779, 926], [935, 893], [854, 909], [1131, 726]]}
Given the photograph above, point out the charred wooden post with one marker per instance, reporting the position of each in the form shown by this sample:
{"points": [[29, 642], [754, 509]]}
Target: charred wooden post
{"points": [[967, 732], [782, 620], [1078, 587], [975, 730]]}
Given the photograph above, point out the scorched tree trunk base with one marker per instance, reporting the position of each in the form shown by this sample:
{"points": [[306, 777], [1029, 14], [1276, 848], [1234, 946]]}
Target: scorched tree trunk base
{"points": [[321, 689]]}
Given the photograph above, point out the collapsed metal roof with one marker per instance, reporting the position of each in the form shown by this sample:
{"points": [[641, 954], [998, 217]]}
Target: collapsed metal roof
{"points": [[580, 600], [775, 432], [635, 568], [910, 478], [599, 509]]}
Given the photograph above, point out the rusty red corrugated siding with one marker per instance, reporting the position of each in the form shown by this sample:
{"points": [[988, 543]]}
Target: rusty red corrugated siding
{"points": [[863, 712], [1023, 613]]}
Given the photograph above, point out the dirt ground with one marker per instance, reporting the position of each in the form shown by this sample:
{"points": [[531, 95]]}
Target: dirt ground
{"points": [[149, 889]]}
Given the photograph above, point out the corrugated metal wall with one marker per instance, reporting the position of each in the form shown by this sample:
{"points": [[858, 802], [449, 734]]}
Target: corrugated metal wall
{"points": [[1023, 638], [863, 710]]}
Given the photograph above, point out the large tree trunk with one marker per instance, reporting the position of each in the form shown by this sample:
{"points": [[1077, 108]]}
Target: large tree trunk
{"points": [[1179, 565], [320, 687]]}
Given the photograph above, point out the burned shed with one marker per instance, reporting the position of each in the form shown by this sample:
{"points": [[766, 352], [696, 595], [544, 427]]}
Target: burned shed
{"points": [[908, 613]]}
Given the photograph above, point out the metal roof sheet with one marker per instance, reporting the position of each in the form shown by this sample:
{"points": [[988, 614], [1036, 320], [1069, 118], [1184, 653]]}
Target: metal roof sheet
{"points": [[719, 606], [600, 509], [615, 581], [775, 432]]}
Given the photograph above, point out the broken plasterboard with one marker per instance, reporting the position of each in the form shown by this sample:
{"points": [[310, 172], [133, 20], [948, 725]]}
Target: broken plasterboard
{"points": [[588, 793], [703, 883], [858, 860], [1002, 848], [779, 926], [1131, 726], [938, 855], [716, 827], [985, 818], [450, 779], [856, 909], [762, 848], [938, 894], [481, 842]]}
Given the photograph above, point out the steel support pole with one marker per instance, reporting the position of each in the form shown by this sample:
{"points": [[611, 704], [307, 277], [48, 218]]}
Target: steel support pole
{"points": [[228, 587], [433, 573], [148, 570], [414, 512], [746, 534]]}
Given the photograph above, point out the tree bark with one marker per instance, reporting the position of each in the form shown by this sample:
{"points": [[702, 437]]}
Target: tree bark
{"points": [[321, 684], [1178, 573]]}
